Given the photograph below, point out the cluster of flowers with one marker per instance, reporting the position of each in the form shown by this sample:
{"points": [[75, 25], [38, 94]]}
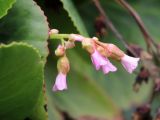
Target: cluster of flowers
{"points": [[99, 52]]}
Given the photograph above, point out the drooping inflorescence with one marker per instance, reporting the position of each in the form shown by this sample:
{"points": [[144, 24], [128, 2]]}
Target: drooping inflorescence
{"points": [[99, 52]]}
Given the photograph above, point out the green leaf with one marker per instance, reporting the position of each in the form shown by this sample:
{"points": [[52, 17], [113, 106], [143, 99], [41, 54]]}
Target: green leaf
{"points": [[21, 80], [5, 5], [75, 17], [53, 113], [40, 109], [45, 108], [25, 22]]}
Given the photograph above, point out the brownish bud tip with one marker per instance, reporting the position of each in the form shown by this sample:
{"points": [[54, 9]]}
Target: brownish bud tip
{"points": [[69, 44], [53, 31], [63, 65], [88, 44], [102, 51], [60, 51]]}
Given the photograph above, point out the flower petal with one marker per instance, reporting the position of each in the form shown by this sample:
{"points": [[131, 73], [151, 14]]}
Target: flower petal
{"points": [[129, 63], [109, 67], [98, 60], [60, 83]]}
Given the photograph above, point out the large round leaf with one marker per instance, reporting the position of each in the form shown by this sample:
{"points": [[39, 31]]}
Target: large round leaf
{"points": [[21, 77], [25, 22]]}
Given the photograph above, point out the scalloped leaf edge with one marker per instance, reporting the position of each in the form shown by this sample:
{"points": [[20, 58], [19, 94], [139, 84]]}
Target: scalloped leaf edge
{"points": [[73, 20], [9, 7]]}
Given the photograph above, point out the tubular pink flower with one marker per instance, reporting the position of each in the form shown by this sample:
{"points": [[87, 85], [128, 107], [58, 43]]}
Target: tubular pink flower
{"points": [[109, 67], [129, 63], [76, 37], [60, 83], [98, 60], [101, 62]]}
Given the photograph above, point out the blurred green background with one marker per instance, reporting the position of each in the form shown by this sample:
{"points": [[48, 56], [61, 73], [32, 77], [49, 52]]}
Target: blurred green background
{"points": [[28, 63]]}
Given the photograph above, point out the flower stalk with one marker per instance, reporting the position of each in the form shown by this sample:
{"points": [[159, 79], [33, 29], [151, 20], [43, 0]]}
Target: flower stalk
{"points": [[99, 52], [59, 36]]}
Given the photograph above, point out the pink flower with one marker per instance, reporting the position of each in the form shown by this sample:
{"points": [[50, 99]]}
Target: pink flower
{"points": [[109, 67], [98, 60], [101, 62], [129, 63], [60, 83]]}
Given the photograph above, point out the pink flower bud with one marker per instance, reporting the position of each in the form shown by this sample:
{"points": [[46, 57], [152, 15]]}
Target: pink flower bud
{"points": [[111, 50], [60, 51], [95, 38], [69, 44], [76, 37], [60, 83], [53, 31], [129, 63], [114, 51]]}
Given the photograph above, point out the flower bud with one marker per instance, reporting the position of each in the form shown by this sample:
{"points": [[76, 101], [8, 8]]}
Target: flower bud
{"points": [[95, 38], [87, 44], [102, 51], [60, 51], [116, 53], [63, 65], [53, 31], [69, 44], [111, 50]]}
